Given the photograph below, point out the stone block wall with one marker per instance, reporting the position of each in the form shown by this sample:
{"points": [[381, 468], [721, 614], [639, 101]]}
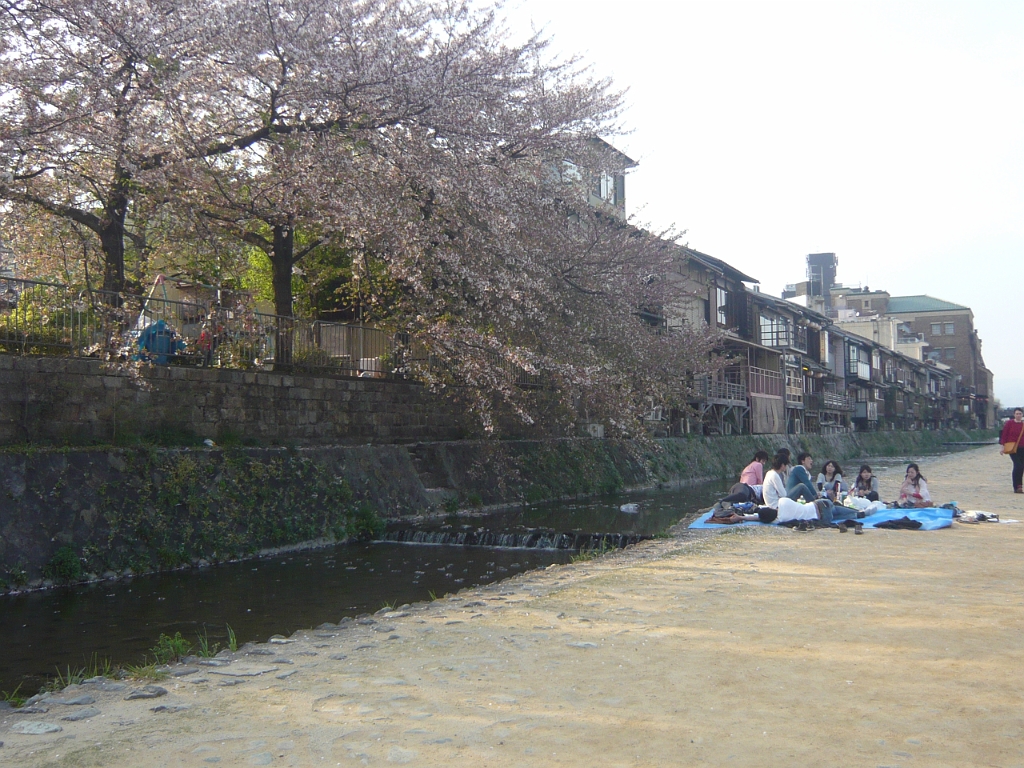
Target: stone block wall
{"points": [[67, 400]]}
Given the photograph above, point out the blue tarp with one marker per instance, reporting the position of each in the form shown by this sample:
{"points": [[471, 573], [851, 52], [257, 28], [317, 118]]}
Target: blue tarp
{"points": [[158, 342], [931, 519]]}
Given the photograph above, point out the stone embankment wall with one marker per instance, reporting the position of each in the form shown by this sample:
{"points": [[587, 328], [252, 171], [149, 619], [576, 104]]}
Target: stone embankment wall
{"points": [[47, 400], [149, 508]]}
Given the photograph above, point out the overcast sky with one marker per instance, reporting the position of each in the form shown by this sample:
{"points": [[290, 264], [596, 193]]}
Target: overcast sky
{"points": [[890, 133]]}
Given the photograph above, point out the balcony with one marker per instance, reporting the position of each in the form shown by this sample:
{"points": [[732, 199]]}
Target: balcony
{"points": [[712, 390], [765, 382], [829, 401], [863, 371], [794, 397], [867, 411]]}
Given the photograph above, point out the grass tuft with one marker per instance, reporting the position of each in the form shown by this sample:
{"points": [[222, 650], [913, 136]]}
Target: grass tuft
{"points": [[14, 698], [170, 649], [206, 650], [145, 672], [585, 555]]}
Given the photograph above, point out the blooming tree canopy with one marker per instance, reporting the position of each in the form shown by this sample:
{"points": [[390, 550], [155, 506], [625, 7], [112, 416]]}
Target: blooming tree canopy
{"points": [[442, 157]]}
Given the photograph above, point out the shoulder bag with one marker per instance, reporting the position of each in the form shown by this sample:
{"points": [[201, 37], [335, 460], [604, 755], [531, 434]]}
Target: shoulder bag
{"points": [[1010, 448]]}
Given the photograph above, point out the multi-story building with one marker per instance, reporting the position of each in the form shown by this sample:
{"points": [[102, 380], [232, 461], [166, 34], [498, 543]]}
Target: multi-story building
{"points": [[790, 367], [953, 340], [822, 359]]}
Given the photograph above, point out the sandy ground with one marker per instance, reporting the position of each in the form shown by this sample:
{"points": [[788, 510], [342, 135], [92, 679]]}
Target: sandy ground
{"points": [[755, 647]]}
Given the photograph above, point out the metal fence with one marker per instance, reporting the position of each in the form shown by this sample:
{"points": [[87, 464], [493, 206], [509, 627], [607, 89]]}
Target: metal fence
{"points": [[48, 319]]}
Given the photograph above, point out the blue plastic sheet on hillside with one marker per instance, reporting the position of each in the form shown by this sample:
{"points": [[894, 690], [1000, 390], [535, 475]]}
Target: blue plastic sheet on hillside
{"points": [[931, 519]]}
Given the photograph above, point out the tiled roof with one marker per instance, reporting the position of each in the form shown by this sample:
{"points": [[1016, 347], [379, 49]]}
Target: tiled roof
{"points": [[719, 265], [923, 303]]}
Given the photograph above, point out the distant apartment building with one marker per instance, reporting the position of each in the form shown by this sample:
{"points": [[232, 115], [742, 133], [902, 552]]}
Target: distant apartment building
{"points": [[921, 327]]}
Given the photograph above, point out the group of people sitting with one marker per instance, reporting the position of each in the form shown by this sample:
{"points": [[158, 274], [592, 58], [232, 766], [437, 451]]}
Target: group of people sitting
{"points": [[785, 493]]}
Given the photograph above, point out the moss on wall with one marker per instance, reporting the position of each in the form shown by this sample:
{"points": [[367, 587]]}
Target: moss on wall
{"points": [[151, 509]]}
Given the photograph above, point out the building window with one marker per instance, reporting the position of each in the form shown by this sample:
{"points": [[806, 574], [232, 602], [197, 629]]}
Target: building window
{"points": [[879, 395], [949, 353], [950, 329], [723, 299], [936, 329], [774, 331], [867, 304]]}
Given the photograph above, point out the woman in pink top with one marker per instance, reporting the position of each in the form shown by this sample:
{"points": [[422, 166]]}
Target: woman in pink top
{"points": [[753, 473], [751, 480]]}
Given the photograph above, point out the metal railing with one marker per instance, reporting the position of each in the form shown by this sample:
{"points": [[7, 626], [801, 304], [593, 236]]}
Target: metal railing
{"points": [[48, 319], [40, 318]]}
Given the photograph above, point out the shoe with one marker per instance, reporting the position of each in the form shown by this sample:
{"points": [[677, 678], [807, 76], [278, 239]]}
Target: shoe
{"points": [[1019, 489], [842, 527], [859, 530]]}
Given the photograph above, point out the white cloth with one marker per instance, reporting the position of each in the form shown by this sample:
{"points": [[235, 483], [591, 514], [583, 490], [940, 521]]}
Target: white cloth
{"points": [[862, 504], [794, 510], [774, 489]]}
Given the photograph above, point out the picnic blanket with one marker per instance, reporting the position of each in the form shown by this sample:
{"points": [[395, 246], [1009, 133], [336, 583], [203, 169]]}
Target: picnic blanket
{"points": [[931, 519]]}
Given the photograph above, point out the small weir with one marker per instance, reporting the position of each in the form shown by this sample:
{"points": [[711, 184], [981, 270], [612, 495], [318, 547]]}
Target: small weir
{"points": [[534, 539]]}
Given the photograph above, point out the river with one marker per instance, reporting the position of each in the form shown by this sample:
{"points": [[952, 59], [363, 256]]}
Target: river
{"points": [[121, 620]]}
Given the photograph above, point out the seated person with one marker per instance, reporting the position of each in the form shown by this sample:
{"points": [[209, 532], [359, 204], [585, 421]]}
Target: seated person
{"points": [[787, 509], [828, 477], [914, 491], [866, 485], [786, 454], [798, 484], [774, 483], [749, 488], [753, 473]]}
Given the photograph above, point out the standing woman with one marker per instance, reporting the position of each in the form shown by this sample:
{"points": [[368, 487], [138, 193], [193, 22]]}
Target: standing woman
{"points": [[1010, 438], [914, 491]]}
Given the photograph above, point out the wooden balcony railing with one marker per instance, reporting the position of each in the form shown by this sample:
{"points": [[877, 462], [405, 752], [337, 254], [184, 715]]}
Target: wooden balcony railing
{"points": [[713, 389], [765, 382]]}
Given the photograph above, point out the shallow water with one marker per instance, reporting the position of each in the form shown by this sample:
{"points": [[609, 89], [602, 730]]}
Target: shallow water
{"points": [[121, 620]]}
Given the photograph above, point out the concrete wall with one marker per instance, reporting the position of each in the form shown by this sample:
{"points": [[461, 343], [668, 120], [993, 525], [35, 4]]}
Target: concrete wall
{"points": [[76, 401]]}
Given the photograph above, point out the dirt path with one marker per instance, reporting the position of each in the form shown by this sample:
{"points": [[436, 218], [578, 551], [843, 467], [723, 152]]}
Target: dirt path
{"points": [[755, 647]]}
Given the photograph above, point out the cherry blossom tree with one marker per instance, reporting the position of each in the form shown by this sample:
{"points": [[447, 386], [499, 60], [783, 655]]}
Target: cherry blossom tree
{"points": [[416, 138], [85, 88]]}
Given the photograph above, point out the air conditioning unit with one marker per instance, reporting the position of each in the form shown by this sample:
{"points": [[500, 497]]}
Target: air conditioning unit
{"points": [[593, 429]]}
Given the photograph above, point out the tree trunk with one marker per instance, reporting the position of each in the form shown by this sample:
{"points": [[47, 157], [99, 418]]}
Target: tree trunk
{"points": [[112, 241], [281, 261], [111, 233]]}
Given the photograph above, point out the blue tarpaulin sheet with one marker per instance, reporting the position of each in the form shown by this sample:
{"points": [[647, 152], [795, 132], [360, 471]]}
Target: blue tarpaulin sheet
{"points": [[931, 519]]}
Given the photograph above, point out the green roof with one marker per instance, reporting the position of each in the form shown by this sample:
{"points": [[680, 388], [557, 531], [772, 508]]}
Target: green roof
{"points": [[899, 304]]}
